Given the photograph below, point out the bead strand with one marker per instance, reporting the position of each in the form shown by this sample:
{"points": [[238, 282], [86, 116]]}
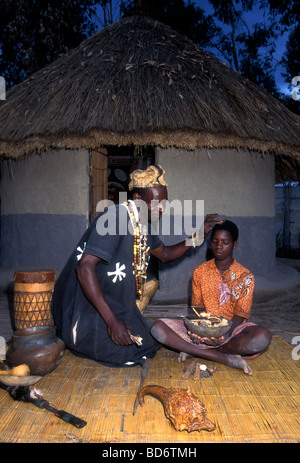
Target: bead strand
{"points": [[140, 256]]}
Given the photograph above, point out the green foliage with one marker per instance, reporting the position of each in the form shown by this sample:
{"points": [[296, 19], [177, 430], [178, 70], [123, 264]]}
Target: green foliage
{"points": [[33, 33]]}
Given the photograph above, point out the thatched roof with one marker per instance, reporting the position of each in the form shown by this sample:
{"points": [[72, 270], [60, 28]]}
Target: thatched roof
{"points": [[139, 82]]}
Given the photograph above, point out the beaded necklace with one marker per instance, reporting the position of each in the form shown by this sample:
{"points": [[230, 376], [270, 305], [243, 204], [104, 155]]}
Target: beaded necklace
{"points": [[140, 249]]}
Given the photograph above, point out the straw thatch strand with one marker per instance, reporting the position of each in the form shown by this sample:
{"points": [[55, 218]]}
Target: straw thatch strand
{"points": [[139, 82]]}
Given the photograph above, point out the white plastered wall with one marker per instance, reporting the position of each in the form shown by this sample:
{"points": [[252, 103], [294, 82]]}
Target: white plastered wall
{"points": [[232, 182]]}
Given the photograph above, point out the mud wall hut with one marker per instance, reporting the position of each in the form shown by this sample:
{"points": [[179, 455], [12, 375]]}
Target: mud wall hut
{"points": [[138, 92]]}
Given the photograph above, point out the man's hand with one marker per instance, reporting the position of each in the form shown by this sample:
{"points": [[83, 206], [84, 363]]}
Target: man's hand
{"points": [[210, 222], [119, 333], [86, 272]]}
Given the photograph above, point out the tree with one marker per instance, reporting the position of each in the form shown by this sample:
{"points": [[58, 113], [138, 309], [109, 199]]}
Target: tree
{"points": [[227, 12], [33, 33], [291, 57], [248, 49], [258, 67], [288, 11], [287, 14], [108, 11], [289, 21]]}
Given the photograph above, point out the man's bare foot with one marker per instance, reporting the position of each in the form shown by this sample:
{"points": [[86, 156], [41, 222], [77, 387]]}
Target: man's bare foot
{"points": [[183, 356], [236, 361]]}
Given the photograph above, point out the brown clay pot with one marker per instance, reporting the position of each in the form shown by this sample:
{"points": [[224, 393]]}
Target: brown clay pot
{"points": [[38, 347]]}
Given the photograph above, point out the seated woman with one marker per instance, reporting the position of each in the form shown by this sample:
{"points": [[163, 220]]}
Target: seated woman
{"points": [[224, 288]]}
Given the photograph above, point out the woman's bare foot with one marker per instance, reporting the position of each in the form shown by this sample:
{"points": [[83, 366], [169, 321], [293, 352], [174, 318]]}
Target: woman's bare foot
{"points": [[236, 361]]}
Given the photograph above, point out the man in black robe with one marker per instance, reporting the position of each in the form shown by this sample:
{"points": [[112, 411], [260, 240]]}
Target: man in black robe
{"points": [[94, 301]]}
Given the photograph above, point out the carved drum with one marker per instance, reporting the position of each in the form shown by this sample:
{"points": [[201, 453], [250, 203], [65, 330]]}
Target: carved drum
{"points": [[33, 292]]}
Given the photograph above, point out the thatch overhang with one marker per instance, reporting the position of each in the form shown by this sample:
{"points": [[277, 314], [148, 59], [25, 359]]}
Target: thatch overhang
{"points": [[139, 82]]}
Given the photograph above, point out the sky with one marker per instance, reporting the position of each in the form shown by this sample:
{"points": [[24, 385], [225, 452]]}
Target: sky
{"points": [[257, 15]]}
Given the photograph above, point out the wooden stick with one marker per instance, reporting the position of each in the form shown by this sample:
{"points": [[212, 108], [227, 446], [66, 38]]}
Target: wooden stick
{"points": [[143, 377], [23, 394], [190, 369]]}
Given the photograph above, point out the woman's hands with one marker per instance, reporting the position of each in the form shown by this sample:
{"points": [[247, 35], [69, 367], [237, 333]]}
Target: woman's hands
{"points": [[208, 341]]}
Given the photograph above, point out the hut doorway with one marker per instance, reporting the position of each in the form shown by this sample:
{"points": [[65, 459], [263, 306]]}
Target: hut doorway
{"points": [[110, 169]]}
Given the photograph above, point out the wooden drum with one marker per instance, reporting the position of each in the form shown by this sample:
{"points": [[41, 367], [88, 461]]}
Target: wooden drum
{"points": [[32, 298]]}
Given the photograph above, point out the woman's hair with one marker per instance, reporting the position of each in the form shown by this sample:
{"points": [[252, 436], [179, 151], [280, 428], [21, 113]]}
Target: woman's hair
{"points": [[228, 226]]}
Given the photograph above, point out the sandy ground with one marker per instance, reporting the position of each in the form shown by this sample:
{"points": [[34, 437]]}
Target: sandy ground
{"points": [[281, 314]]}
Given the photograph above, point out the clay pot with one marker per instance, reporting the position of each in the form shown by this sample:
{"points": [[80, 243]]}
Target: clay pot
{"points": [[38, 347]]}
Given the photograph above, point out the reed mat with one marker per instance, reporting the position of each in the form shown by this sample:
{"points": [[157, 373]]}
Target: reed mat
{"points": [[260, 408]]}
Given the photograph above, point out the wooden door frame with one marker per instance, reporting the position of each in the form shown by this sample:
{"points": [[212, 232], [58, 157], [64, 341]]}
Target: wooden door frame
{"points": [[98, 189]]}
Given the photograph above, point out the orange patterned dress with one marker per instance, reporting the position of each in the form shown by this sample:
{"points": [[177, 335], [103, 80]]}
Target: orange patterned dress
{"points": [[223, 295]]}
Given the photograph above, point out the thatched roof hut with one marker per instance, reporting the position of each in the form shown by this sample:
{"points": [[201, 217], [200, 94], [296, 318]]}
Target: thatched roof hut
{"points": [[139, 82]]}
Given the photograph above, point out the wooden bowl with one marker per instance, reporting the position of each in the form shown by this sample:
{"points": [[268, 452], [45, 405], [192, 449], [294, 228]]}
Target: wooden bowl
{"points": [[208, 326], [19, 380]]}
